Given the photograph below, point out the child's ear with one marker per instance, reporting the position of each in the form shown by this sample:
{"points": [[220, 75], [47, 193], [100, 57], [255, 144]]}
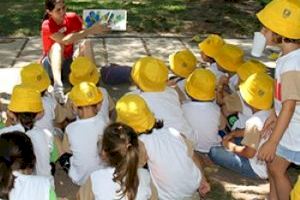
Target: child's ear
{"points": [[39, 115], [11, 118], [98, 107]]}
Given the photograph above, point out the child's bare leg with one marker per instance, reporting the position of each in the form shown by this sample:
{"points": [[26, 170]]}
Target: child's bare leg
{"points": [[273, 193], [278, 172], [86, 49]]}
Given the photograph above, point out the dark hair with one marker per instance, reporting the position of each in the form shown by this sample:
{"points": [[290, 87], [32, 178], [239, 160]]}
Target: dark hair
{"points": [[26, 119], [120, 145], [16, 153], [158, 125], [49, 5]]}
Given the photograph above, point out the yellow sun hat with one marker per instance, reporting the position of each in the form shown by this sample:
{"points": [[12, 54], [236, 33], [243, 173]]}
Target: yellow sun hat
{"points": [[85, 94], [295, 193], [257, 91], [250, 67], [201, 85], [25, 99], [35, 76], [183, 63], [150, 74], [132, 110], [211, 45], [230, 57], [83, 69], [282, 17]]}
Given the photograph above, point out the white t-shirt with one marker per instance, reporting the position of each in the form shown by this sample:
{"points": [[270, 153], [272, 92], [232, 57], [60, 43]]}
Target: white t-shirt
{"points": [[166, 106], [30, 187], [41, 141], [104, 111], [214, 69], [83, 135], [242, 116], [287, 87], [47, 121], [257, 120], [173, 172], [204, 117], [104, 188]]}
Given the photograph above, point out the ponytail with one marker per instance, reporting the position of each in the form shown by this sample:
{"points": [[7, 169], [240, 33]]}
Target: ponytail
{"points": [[120, 146], [16, 153], [6, 178], [157, 125]]}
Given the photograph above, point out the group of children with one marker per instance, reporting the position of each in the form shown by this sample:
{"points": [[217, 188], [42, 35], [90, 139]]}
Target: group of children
{"points": [[149, 144]]}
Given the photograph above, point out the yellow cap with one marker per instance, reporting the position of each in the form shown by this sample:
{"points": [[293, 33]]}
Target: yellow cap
{"points": [[211, 45], [35, 76], [230, 57], [83, 69], [25, 99], [295, 194], [133, 111], [85, 94], [201, 85], [282, 17], [257, 91], [250, 67], [150, 74], [183, 63]]}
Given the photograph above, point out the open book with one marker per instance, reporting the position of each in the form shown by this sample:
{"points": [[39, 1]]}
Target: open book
{"points": [[117, 19]]}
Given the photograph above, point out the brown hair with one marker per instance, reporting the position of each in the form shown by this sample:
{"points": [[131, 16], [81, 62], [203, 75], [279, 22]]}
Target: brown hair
{"points": [[49, 5], [26, 119], [16, 153], [120, 146]]}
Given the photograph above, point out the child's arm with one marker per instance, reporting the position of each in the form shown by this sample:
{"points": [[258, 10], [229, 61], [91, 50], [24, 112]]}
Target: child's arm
{"points": [[267, 151]]}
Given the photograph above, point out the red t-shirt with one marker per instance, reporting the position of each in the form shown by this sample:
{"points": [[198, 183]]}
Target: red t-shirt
{"points": [[72, 23]]}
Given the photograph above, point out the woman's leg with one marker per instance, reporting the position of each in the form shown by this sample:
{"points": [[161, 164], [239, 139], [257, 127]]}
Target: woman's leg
{"points": [[278, 172], [220, 156], [56, 59]]}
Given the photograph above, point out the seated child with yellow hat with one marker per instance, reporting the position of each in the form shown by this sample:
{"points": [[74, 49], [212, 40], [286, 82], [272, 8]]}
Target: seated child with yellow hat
{"points": [[150, 75], [182, 64], [24, 109], [202, 113], [241, 157], [81, 136], [167, 151]]}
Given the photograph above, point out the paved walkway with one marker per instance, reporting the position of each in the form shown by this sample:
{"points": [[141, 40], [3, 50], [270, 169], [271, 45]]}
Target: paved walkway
{"points": [[126, 49]]}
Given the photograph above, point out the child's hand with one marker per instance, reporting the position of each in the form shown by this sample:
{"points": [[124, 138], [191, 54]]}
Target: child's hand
{"points": [[267, 151], [204, 187], [269, 125]]}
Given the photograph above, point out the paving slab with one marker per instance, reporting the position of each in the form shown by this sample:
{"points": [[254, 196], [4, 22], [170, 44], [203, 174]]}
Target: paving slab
{"points": [[99, 51], [9, 50], [31, 53], [124, 51], [163, 47]]}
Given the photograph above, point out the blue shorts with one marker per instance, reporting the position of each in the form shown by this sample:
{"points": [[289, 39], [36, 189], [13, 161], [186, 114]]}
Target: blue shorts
{"points": [[289, 155], [65, 70]]}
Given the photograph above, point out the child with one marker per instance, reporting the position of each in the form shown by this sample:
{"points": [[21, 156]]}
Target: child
{"points": [[229, 58], [151, 75], [168, 155], [209, 49], [24, 109], [283, 146], [35, 76], [257, 92], [202, 113], [17, 161], [122, 179], [234, 108], [182, 64], [83, 69], [82, 135]]}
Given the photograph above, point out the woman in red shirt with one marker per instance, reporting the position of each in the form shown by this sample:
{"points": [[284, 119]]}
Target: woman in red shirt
{"points": [[60, 31]]}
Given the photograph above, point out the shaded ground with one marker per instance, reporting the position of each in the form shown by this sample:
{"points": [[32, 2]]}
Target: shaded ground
{"points": [[233, 19]]}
